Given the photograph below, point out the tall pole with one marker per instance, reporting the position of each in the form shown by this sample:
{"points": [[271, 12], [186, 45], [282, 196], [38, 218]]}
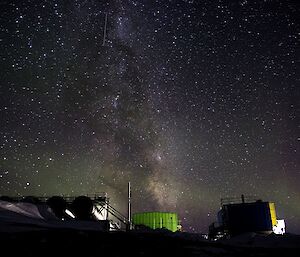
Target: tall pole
{"points": [[243, 199], [129, 204], [104, 32]]}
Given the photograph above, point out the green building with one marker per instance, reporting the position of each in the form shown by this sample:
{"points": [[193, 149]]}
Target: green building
{"points": [[156, 220]]}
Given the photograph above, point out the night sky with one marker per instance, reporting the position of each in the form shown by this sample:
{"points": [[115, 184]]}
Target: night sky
{"points": [[191, 101]]}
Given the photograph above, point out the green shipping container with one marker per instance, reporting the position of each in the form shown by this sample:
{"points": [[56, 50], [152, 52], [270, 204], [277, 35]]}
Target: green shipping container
{"points": [[156, 220]]}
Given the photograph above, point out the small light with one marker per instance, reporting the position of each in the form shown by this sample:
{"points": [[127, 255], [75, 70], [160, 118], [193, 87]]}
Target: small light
{"points": [[70, 213]]}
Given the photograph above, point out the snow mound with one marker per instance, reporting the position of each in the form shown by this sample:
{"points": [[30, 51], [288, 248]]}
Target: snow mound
{"points": [[21, 216]]}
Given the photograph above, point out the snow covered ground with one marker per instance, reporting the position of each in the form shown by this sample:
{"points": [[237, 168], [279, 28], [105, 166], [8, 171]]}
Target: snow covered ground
{"points": [[28, 229]]}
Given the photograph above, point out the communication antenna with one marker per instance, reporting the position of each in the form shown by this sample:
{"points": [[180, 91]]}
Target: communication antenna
{"points": [[129, 204], [104, 32]]}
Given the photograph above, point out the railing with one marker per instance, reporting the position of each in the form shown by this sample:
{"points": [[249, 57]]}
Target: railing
{"points": [[241, 199], [105, 205], [68, 198]]}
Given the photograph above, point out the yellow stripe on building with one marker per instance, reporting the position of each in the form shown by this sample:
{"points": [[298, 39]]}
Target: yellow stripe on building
{"points": [[273, 213]]}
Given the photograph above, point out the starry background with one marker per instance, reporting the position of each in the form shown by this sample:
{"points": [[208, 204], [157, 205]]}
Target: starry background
{"points": [[191, 101]]}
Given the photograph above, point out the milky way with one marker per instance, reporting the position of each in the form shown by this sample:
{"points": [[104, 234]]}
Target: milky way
{"points": [[191, 101]]}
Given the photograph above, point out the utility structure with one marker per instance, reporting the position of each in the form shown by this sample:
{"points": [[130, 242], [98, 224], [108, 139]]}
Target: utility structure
{"points": [[245, 214], [156, 220], [95, 207], [151, 220]]}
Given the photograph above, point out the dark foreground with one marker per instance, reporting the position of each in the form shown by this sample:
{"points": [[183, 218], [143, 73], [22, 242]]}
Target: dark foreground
{"points": [[92, 243]]}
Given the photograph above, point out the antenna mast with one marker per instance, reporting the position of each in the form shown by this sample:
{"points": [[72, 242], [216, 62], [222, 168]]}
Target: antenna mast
{"points": [[129, 204], [104, 32]]}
